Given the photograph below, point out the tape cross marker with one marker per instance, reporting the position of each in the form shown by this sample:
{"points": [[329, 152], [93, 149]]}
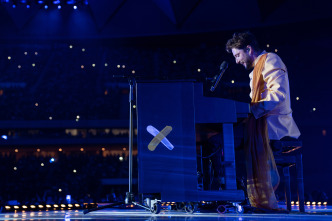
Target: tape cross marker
{"points": [[159, 137]]}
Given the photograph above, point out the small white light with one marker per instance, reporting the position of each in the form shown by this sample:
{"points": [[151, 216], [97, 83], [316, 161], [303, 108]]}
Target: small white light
{"points": [[74, 171], [9, 58], [33, 64], [60, 190], [15, 168], [50, 118], [70, 46], [118, 66], [4, 137], [233, 81], [267, 45], [93, 65], [276, 50], [174, 62], [42, 164], [78, 116], [314, 109], [59, 6], [77, 120], [36, 104], [36, 53], [75, 7], [198, 70], [133, 72], [123, 66], [106, 64], [83, 49], [25, 53], [297, 98], [19, 66], [82, 66], [121, 158]]}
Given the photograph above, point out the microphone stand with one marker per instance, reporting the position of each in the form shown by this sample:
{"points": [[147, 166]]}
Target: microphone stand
{"points": [[130, 196]]}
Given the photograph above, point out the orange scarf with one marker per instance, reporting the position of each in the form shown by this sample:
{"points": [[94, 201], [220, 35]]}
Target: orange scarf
{"points": [[261, 167]]}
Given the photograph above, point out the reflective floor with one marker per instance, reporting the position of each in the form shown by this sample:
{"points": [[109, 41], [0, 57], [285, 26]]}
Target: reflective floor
{"points": [[312, 214]]}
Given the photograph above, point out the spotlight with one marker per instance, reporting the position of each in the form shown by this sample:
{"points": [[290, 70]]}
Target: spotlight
{"points": [[40, 2], [4, 137], [56, 2], [75, 7], [28, 6], [46, 7], [59, 6], [14, 6]]}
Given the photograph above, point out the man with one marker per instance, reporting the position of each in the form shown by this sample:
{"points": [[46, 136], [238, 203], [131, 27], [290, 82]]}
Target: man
{"points": [[271, 117]]}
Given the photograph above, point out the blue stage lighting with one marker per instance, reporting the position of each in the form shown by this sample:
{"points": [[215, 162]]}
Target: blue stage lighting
{"points": [[70, 2], [59, 6], [56, 2], [40, 2], [46, 7], [28, 6], [75, 7], [4, 137], [52, 160], [14, 6]]}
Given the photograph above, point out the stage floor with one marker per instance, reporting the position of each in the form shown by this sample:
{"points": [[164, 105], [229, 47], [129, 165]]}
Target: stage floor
{"points": [[312, 214]]}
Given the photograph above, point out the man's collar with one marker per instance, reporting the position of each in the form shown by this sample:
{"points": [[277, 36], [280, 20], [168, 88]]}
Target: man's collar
{"points": [[256, 60]]}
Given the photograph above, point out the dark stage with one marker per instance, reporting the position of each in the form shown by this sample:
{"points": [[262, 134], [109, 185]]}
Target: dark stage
{"points": [[313, 213]]}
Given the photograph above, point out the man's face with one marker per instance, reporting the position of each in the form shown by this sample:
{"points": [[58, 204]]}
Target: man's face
{"points": [[242, 56]]}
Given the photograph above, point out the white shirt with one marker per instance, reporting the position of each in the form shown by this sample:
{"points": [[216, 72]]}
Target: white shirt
{"points": [[275, 102]]}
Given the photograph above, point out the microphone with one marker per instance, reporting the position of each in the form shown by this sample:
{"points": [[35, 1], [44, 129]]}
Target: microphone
{"points": [[223, 67]]}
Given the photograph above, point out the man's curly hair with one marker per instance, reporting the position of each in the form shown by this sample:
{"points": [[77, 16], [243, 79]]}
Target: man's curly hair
{"points": [[241, 41]]}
